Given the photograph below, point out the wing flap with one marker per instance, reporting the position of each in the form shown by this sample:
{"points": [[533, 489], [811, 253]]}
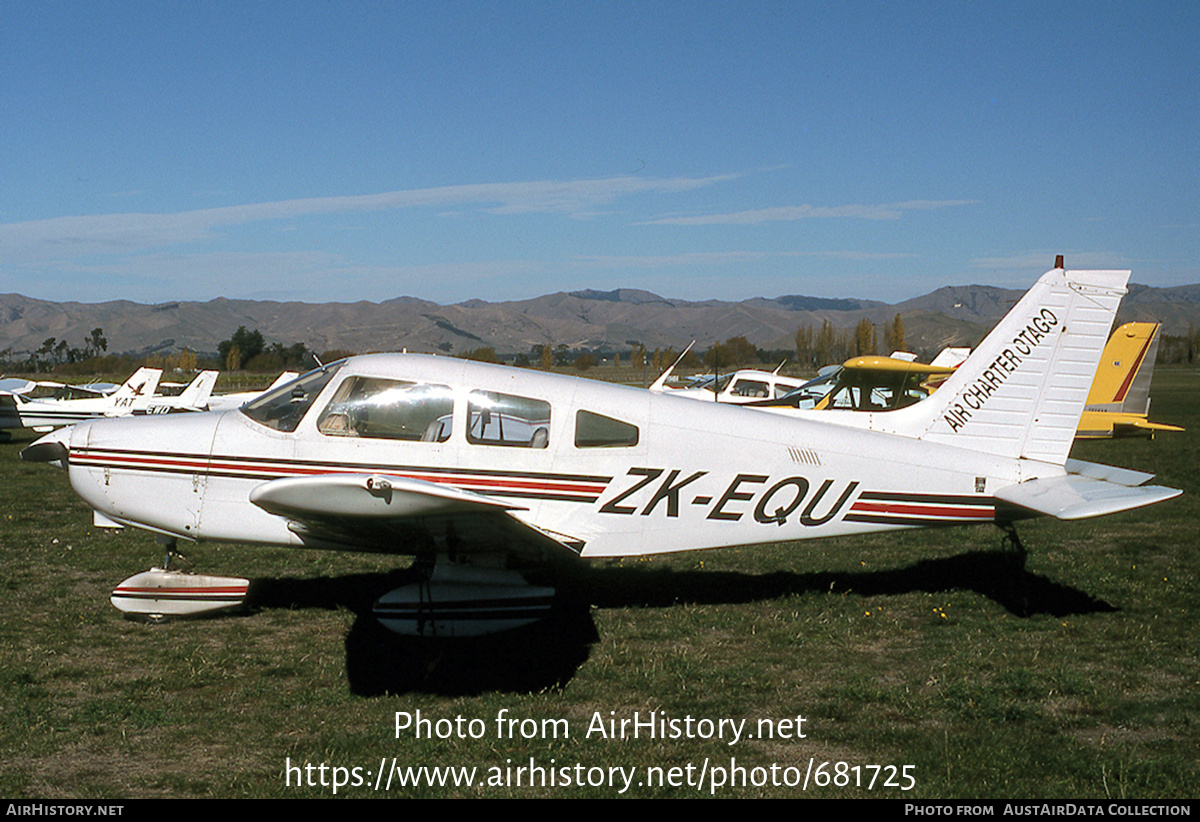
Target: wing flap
{"points": [[378, 512], [1075, 496], [363, 496]]}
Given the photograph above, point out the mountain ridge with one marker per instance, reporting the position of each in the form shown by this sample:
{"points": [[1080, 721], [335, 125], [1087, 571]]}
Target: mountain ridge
{"points": [[592, 319]]}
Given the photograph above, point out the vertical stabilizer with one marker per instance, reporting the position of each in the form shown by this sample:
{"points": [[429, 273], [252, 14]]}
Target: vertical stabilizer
{"points": [[141, 386], [1126, 369], [1022, 391], [199, 391]]}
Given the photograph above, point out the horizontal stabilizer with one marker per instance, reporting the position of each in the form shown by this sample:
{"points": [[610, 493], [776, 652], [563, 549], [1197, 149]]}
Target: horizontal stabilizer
{"points": [[1075, 496], [1136, 427], [1109, 473]]}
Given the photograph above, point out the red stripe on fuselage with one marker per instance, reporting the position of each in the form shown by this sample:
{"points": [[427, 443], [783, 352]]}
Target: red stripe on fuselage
{"points": [[920, 510], [268, 471]]}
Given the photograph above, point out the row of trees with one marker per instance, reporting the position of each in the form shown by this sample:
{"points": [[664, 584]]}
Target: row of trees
{"points": [[1179, 348], [814, 347], [247, 350], [827, 344], [243, 351], [55, 353]]}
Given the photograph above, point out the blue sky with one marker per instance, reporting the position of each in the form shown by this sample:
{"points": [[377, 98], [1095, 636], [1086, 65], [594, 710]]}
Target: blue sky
{"points": [[342, 151]]}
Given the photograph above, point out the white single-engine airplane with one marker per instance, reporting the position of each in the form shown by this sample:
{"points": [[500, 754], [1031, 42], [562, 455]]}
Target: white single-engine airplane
{"points": [[482, 471], [19, 411], [735, 387]]}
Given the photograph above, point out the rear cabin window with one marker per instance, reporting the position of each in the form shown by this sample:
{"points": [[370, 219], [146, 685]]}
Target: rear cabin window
{"points": [[598, 431], [751, 388], [505, 419], [389, 409]]}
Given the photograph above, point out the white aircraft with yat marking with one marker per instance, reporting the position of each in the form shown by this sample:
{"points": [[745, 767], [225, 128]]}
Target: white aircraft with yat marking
{"points": [[483, 471], [19, 411]]}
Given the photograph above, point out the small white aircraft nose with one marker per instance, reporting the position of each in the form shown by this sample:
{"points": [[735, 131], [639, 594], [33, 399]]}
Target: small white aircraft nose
{"points": [[140, 470], [52, 448]]}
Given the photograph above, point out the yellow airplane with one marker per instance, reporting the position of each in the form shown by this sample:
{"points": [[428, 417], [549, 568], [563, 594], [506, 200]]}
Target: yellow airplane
{"points": [[1118, 403], [875, 383]]}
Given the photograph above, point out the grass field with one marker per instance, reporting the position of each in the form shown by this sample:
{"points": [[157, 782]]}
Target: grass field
{"points": [[1076, 677]]}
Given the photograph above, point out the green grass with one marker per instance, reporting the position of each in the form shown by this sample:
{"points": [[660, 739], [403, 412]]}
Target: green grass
{"points": [[1076, 678]]}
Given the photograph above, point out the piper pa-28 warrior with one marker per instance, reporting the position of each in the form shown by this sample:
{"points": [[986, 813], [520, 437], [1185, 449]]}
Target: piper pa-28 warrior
{"points": [[482, 471]]}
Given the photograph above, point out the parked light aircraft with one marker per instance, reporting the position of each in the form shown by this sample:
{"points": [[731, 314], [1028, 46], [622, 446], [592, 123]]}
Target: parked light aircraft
{"points": [[483, 471], [18, 411], [1118, 404], [136, 396], [736, 388]]}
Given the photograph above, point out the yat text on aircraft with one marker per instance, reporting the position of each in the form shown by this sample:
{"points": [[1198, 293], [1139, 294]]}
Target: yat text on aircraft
{"points": [[484, 472]]}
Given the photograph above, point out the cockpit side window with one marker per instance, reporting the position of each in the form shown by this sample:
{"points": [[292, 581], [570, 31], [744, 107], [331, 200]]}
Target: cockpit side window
{"points": [[283, 408], [750, 388], [504, 419], [378, 408], [598, 431]]}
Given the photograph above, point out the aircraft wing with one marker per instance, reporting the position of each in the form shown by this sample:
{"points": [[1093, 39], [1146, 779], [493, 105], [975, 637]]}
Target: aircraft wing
{"points": [[1088, 490], [399, 514], [1140, 428]]}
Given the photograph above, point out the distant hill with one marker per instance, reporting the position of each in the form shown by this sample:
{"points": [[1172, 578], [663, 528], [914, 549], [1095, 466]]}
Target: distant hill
{"points": [[612, 320]]}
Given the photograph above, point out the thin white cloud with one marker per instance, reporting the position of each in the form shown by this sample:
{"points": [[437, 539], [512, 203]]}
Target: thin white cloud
{"points": [[1042, 260], [854, 255], [64, 238], [664, 260], [891, 211]]}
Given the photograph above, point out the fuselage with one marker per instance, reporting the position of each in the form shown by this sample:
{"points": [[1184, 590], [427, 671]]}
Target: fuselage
{"points": [[621, 470]]}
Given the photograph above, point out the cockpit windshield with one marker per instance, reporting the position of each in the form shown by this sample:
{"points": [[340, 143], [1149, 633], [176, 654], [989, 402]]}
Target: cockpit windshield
{"points": [[283, 408]]}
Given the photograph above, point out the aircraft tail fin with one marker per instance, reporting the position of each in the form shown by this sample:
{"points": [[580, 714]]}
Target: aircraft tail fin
{"points": [[199, 390], [1126, 369], [1022, 390], [660, 384], [141, 385]]}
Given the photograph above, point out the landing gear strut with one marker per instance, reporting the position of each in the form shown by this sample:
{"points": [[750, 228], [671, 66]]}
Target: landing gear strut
{"points": [[1011, 545], [171, 545], [1015, 555]]}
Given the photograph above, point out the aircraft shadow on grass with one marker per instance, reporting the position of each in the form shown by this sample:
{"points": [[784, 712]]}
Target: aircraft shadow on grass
{"points": [[548, 653]]}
